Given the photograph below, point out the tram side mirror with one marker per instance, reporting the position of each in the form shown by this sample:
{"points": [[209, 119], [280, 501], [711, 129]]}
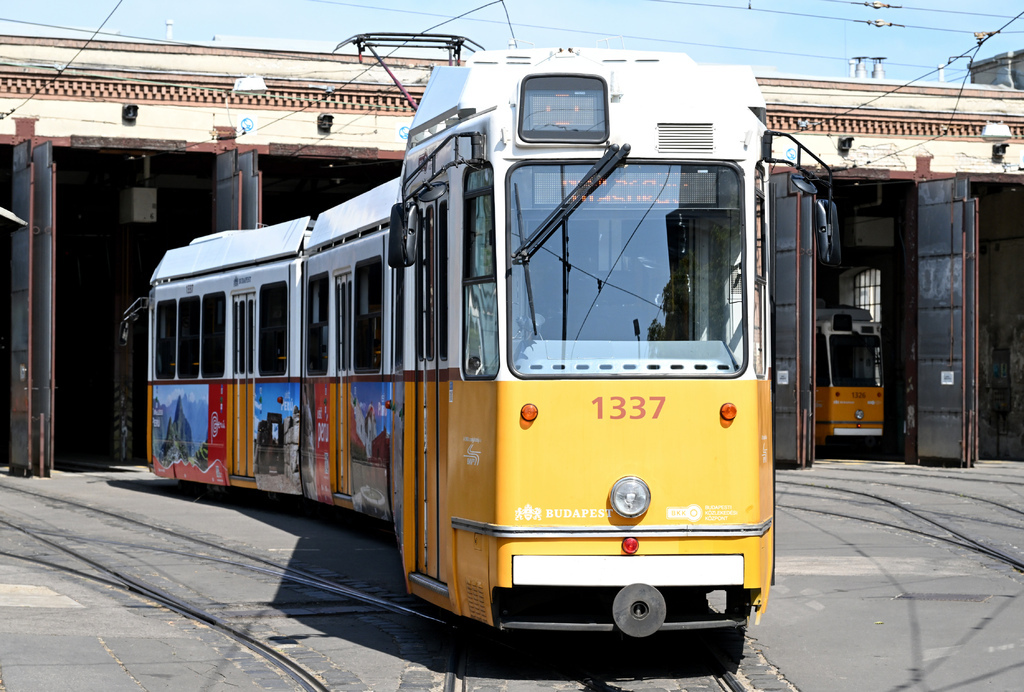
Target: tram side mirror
{"points": [[432, 191], [122, 337], [402, 237], [803, 184], [766, 146], [826, 233]]}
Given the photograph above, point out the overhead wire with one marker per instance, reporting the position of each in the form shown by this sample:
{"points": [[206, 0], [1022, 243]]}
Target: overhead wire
{"points": [[66, 65], [291, 54], [981, 41], [749, 8], [511, 28], [879, 5], [392, 52]]}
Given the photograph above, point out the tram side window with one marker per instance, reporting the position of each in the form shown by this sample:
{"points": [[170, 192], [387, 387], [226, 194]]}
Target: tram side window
{"points": [[369, 295], [166, 339], [188, 338], [273, 329], [442, 280], [318, 321], [213, 341], [238, 319], [479, 283]]}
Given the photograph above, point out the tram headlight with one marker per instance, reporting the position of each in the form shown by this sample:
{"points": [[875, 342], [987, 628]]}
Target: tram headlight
{"points": [[858, 414], [630, 497]]}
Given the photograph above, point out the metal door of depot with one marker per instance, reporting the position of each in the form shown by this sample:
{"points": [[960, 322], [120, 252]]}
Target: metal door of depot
{"points": [[32, 310], [947, 323], [237, 191], [793, 314]]}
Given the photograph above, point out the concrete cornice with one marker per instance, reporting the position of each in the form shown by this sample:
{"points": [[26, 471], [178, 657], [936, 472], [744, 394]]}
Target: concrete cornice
{"points": [[880, 88], [906, 124], [204, 92]]}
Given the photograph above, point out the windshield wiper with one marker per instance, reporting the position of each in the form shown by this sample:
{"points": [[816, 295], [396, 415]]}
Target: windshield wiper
{"points": [[526, 267], [586, 186]]}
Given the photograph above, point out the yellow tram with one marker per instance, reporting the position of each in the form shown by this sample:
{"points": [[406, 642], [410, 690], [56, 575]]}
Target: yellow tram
{"points": [[543, 353], [849, 395]]}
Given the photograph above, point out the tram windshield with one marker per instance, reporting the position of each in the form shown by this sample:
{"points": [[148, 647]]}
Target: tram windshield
{"points": [[644, 277], [856, 360]]}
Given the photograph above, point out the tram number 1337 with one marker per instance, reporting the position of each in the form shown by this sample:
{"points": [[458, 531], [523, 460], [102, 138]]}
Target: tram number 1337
{"points": [[634, 406]]}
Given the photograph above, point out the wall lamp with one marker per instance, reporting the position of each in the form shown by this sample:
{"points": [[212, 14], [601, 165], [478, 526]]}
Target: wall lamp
{"points": [[996, 131], [999, 150], [253, 84], [845, 144], [129, 113], [324, 122]]}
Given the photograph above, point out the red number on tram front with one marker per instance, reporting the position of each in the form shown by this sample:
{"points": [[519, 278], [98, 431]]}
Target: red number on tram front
{"points": [[639, 407]]}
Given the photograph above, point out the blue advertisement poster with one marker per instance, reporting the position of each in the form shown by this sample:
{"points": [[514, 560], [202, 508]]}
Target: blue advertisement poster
{"points": [[370, 448], [189, 435], [278, 425]]}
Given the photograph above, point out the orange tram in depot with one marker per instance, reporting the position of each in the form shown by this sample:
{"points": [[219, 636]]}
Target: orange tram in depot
{"points": [[849, 394], [543, 353]]}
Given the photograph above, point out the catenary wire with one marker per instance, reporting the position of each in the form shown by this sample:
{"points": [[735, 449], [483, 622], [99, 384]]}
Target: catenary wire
{"points": [[68, 64]]}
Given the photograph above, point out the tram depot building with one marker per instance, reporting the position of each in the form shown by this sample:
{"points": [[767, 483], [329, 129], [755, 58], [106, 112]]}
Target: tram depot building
{"points": [[138, 147]]}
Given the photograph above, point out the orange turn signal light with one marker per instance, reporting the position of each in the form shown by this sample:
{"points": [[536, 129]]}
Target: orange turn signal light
{"points": [[529, 413], [728, 412]]}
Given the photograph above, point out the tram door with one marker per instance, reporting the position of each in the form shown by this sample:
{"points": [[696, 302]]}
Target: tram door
{"points": [[243, 313], [432, 390], [343, 318]]}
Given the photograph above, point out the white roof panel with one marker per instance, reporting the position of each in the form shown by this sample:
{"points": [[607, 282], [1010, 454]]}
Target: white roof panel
{"points": [[442, 98], [232, 249], [368, 210]]}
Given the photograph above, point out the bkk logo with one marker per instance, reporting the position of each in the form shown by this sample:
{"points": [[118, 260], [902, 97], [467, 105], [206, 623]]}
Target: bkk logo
{"points": [[690, 513]]}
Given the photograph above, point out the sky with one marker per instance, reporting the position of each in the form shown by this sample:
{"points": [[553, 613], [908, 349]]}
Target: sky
{"points": [[805, 37]]}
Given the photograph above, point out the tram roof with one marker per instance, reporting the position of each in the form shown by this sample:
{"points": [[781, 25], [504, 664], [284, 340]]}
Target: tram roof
{"points": [[454, 93], [369, 210], [859, 314], [232, 249]]}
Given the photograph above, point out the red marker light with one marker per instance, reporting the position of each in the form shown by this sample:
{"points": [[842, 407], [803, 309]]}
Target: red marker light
{"points": [[529, 413], [630, 546], [280, 399]]}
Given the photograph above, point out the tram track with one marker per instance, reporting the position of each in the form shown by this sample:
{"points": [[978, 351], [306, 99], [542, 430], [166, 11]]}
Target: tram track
{"points": [[293, 669], [595, 663], [955, 537], [287, 572], [457, 671], [245, 628], [977, 474], [949, 493]]}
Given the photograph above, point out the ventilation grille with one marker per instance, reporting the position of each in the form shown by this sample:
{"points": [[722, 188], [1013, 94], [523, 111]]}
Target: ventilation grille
{"points": [[696, 138], [476, 600]]}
